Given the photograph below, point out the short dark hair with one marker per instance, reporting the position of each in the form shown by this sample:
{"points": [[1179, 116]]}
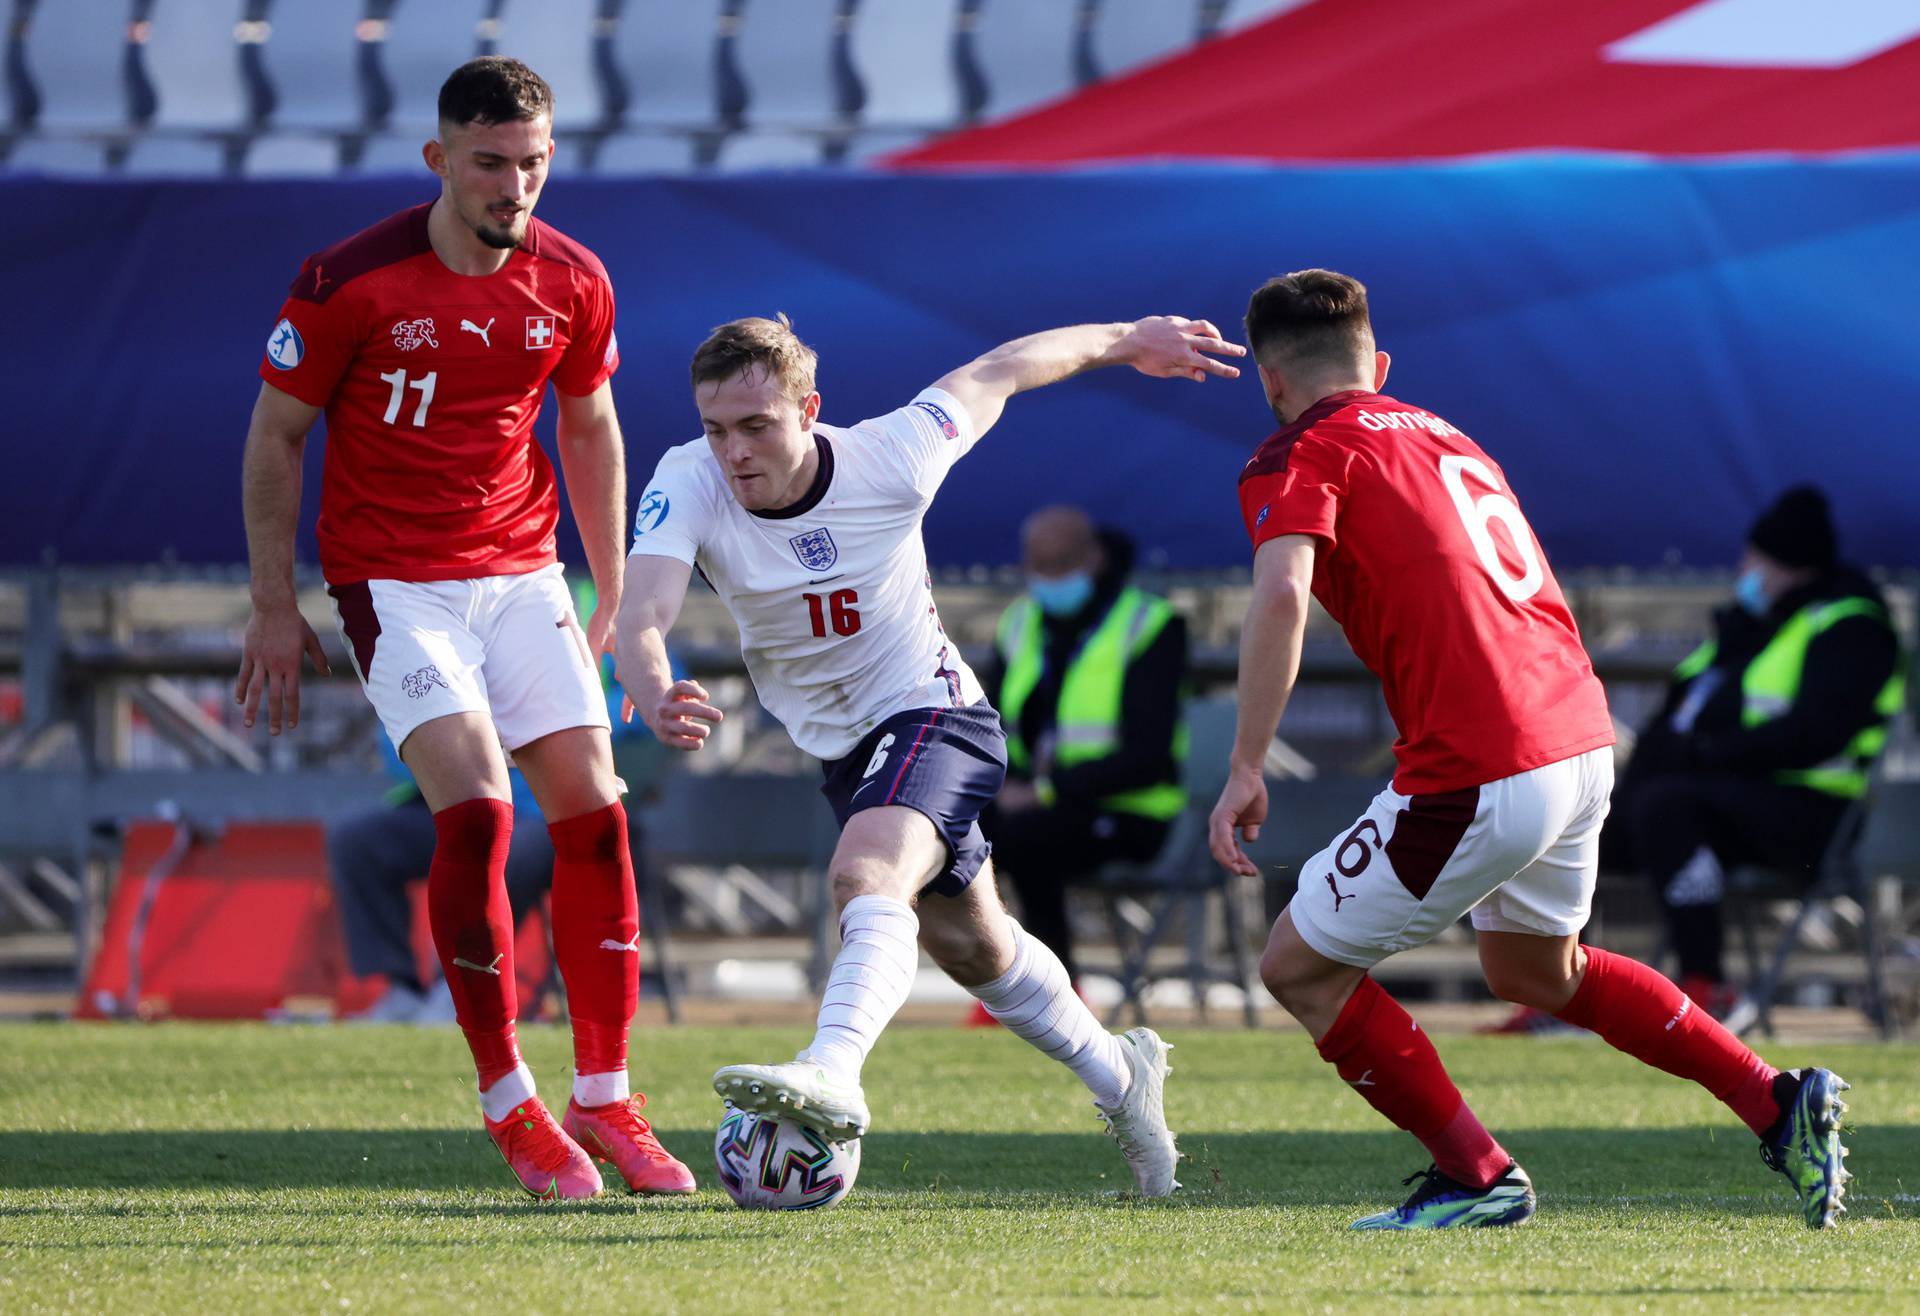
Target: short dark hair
{"points": [[494, 89], [1310, 316], [770, 344]]}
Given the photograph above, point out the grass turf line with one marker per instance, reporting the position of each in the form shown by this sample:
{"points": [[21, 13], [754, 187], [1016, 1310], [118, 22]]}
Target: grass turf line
{"points": [[216, 1167]]}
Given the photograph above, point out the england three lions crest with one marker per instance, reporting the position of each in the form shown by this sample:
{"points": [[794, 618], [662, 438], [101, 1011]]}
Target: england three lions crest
{"points": [[815, 550]]}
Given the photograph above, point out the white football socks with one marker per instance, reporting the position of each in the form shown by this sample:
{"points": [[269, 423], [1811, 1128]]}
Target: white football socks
{"points": [[601, 1089], [879, 954], [1035, 1000], [506, 1093]]}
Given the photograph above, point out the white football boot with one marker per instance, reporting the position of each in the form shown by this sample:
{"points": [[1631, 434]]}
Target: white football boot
{"points": [[802, 1090], [1139, 1122]]}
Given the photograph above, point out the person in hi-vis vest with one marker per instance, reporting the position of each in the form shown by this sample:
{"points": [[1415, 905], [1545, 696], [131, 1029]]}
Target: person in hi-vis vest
{"points": [[1090, 676], [1768, 733]]}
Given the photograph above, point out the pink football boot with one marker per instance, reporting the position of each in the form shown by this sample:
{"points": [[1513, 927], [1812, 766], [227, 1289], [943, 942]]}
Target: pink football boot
{"points": [[616, 1134], [548, 1163]]}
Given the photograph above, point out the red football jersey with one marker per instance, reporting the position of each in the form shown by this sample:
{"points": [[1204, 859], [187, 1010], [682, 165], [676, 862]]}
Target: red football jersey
{"points": [[1425, 561], [431, 381]]}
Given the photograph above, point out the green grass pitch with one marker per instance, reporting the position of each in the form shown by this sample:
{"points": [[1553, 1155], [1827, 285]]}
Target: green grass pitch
{"points": [[177, 1167]]}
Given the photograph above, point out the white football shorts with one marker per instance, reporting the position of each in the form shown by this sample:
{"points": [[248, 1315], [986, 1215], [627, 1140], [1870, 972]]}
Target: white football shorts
{"points": [[1522, 853], [506, 646]]}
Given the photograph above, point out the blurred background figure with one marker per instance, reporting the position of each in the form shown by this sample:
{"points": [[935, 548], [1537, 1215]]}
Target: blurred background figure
{"points": [[375, 855], [1767, 735], [1090, 674]]}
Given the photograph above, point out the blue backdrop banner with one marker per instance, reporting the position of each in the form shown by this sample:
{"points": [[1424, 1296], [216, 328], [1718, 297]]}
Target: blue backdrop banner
{"points": [[1652, 349]]}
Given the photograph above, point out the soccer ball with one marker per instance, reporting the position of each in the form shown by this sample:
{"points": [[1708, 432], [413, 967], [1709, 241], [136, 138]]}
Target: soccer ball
{"points": [[771, 1164]]}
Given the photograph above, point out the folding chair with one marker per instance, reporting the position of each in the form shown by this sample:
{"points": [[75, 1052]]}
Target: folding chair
{"points": [[1182, 881], [1839, 873]]}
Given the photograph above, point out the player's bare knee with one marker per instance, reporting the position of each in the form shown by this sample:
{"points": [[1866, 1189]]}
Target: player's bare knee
{"points": [[1289, 979], [852, 878], [1522, 984]]}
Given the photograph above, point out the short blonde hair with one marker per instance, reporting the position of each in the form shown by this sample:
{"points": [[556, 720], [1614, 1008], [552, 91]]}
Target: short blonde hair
{"points": [[755, 341]]}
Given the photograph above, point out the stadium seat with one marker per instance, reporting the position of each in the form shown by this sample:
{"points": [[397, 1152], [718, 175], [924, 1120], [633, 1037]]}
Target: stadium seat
{"points": [[1128, 33], [786, 51], [394, 153], [425, 41], [666, 51], [768, 150], [291, 155], [903, 57], [644, 153], [557, 39], [75, 55], [1182, 880], [1845, 874], [194, 60], [58, 155], [175, 157], [1245, 13], [871, 145], [1025, 50], [313, 59]]}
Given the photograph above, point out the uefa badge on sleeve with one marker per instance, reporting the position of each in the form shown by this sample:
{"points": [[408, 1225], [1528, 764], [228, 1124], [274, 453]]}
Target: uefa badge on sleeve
{"points": [[284, 348]]}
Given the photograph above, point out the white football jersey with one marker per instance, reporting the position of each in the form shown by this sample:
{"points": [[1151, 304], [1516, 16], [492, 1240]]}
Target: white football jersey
{"points": [[832, 597]]}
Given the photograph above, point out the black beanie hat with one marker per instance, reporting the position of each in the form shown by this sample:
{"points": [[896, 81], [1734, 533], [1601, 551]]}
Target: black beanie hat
{"points": [[1797, 531]]}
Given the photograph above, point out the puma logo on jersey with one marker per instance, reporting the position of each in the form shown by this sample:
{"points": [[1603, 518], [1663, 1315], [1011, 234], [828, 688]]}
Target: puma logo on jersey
{"points": [[319, 278], [469, 327], [1365, 1081], [411, 334], [608, 943], [1338, 899], [493, 968]]}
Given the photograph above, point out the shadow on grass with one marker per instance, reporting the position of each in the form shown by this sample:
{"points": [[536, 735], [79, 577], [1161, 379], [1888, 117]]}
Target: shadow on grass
{"points": [[1678, 1169]]}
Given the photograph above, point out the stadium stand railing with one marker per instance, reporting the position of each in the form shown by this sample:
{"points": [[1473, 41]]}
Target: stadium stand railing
{"points": [[282, 87], [115, 703]]}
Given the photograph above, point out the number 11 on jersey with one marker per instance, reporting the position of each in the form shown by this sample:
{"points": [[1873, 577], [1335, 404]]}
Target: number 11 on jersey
{"points": [[836, 607]]}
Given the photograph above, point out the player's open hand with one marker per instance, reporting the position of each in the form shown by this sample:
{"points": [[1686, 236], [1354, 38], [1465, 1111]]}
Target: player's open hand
{"points": [[1242, 808], [684, 717], [600, 627], [270, 665], [1173, 347]]}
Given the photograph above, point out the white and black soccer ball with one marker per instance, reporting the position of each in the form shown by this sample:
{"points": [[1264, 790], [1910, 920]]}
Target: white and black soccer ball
{"points": [[767, 1163]]}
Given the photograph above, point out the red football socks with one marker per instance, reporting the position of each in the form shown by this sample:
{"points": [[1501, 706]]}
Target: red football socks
{"points": [[1639, 1011], [473, 928], [596, 934], [1378, 1048]]}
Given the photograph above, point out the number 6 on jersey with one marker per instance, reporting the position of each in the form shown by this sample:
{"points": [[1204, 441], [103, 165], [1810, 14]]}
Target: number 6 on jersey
{"points": [[1494, 506]]}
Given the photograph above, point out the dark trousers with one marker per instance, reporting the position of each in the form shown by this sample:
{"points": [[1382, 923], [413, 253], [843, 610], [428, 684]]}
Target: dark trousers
{"points": [[1686, 831], [372, 856], [1044, 851]]}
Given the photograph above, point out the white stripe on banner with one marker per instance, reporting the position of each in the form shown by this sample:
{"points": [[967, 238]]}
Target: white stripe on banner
{"points": [[1831, 34]]}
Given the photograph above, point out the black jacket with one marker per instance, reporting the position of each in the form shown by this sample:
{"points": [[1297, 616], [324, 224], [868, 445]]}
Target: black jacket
{"points": [[1847, 666], [1149, 701]]}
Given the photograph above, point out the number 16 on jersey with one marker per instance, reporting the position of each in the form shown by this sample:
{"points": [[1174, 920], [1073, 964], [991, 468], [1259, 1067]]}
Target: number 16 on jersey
{"points": [[835, 609]]}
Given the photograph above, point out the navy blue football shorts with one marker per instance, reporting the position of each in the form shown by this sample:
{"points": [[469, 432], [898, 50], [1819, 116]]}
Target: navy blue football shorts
{"points": [[947, 763]]}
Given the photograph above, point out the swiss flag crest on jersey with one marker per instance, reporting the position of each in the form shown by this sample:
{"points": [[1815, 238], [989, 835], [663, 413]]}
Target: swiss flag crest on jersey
{"points": [[540, 330]]}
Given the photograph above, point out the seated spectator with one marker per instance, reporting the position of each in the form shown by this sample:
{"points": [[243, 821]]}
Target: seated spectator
{"points": [[1767, 734], [1089, 674]]}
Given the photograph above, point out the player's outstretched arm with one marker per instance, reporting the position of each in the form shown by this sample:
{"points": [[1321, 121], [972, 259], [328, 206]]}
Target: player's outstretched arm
{"points": [[270, 498], [1163, 346], [677, 712], [593, 461], [1270, 643]]}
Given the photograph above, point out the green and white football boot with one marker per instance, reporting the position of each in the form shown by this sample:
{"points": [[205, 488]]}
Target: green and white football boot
{"points": [[1805, 1144]]}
